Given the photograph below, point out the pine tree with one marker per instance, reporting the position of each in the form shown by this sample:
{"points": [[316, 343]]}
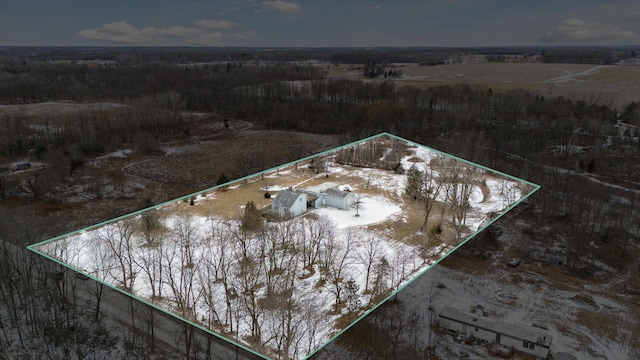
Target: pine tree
{"points": [[352, 298], [414, 183], [222, 179], [251, 219]]}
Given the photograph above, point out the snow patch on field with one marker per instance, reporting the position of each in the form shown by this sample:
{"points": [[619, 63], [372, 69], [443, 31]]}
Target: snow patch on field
{"points": [[373, 210]]}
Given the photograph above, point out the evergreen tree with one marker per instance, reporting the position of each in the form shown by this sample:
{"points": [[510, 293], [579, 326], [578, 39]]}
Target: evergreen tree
{"points": [[251, 219], [222, 179], [414, 183], [352, 298]]}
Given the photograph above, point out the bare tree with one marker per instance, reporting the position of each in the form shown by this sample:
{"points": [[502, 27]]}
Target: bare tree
{"points": [[149, 259], [380, 282], [337, 257], [459, 181], [367, 257], [315, 234], [248, 280], [32, 186], [181, 269], [119, 237], [357, 203], [102, 264], [431, 191]]}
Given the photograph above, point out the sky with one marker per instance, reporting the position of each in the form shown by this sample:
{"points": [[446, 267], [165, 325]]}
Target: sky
{"points": [[319, 23]]}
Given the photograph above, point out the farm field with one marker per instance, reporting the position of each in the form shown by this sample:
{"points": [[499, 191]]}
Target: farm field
{"points": [[613, 84], [287, 286]]}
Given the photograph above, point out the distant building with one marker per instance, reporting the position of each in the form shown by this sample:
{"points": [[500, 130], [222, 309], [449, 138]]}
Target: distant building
{"points": [[289, 203], [523, 339], [630, 62], [23, 166]]}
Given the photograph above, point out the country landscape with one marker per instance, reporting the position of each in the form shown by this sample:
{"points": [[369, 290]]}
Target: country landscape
{"points": [[231, 189]]}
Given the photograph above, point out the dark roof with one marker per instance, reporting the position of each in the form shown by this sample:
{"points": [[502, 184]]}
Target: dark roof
{"points": [[337, 193], [285, 198]]}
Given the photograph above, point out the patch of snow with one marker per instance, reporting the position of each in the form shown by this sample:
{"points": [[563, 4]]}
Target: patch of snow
{"points": [[373, 210]]}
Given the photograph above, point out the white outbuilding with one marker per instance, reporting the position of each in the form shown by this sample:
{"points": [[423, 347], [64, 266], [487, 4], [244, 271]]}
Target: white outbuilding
{"points": [[521, 338], [336, 198]]}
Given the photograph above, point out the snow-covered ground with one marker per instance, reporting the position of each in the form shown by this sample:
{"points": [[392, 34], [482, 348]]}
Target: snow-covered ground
{"points": [[281, 290]]}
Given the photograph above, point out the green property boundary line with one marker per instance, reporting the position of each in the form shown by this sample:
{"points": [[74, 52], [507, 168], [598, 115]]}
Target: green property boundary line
{"points": [[536, 187], [34, 247]]}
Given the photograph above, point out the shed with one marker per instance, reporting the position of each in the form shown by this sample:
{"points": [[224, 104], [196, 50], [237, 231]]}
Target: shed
{"points": [[523, 339], [289, 203]]}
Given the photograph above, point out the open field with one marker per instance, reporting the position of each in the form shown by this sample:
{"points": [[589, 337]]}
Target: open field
{"points": [[616, 84], [56, 108]]}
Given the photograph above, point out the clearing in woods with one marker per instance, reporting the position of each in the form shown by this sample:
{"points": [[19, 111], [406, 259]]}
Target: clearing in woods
{"points": [[284, 287]]}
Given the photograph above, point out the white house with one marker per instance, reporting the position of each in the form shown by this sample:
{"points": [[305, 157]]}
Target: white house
{"points": [[289, 203], [336, 198], [520, 338]]}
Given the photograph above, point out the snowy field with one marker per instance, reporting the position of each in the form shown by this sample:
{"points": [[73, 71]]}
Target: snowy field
{"points": [[286, 288]]}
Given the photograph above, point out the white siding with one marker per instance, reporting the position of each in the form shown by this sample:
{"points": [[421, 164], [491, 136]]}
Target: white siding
{"points": [[299, 207]]}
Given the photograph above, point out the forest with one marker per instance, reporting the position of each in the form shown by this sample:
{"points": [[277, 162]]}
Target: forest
{"points": [[584, 153]]}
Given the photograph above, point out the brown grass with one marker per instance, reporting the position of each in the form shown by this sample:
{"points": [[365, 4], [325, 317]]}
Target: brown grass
{"points": [[229, 202], [619, 84]]}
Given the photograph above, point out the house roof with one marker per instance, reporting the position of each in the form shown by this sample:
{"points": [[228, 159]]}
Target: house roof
{"points": [[502, 328], [322, 187], [286, 198], [337, 193]]}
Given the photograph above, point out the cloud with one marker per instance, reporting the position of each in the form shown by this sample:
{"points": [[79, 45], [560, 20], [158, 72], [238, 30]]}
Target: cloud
{"points": [[634, 16], [245, 35], [117, 32], [282, 6], [573, 29], [208, 39], [122, 32], [215, 24], [174, 31], [229, 10]]}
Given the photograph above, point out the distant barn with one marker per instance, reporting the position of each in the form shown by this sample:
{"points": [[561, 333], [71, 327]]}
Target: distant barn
{"points": [[523, 339]]}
